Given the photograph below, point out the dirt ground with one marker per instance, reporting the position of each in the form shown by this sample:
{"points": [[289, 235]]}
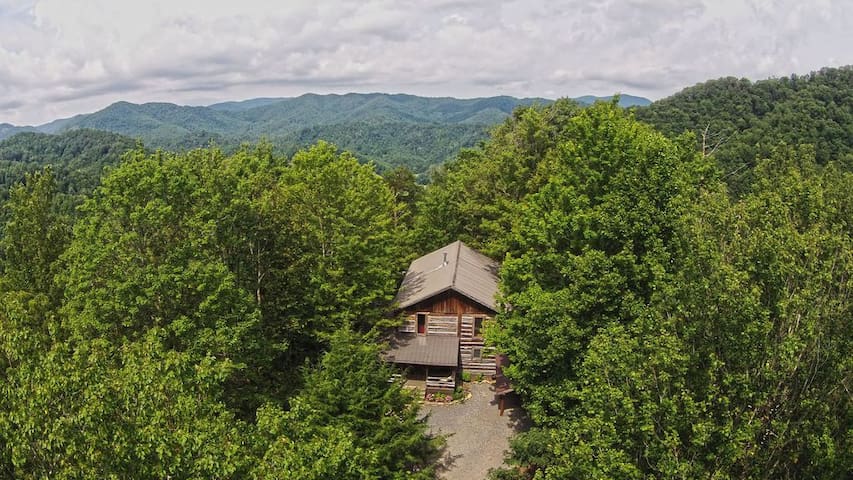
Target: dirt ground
{"points": [[477, 436]]}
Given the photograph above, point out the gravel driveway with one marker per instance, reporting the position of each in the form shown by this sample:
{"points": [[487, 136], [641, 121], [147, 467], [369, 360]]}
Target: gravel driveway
{"points": [[477, 437]]}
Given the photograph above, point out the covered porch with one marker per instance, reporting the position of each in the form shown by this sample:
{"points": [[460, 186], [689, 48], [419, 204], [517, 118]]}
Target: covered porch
{"points": [[430, 362]]}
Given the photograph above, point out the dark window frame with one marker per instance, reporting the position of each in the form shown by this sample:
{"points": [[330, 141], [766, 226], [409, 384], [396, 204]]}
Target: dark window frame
{"points": [[421, 320], [479, 320]]}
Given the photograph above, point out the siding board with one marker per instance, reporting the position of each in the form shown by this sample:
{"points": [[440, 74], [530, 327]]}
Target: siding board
{"points": [[484, 364], [442, 325], [410, 325]]}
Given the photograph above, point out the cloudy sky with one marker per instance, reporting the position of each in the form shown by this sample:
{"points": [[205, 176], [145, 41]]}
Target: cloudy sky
{"points": [[62, 57]]}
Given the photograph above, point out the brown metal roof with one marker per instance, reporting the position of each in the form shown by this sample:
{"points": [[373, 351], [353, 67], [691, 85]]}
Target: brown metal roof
{"points": [[434, 350], [453, 267]]}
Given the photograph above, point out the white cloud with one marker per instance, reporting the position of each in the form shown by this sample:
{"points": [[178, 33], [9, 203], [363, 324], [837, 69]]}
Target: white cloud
{"points": [[58, 58]]}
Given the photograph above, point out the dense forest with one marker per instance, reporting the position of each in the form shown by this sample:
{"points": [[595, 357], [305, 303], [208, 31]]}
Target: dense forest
{"points": [[206, 316], [741, 122], [219, 315], [77, 158]]}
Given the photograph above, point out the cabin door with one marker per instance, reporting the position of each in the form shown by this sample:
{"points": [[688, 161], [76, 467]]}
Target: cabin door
{"points": [[421, 323]]}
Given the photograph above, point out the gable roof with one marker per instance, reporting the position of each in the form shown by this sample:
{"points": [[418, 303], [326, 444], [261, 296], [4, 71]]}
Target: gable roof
{"points": [[455, 267]]}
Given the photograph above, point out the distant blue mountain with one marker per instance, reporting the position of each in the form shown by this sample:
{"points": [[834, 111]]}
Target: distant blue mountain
{"points": [[241, 105], [7, 130], [158, 122]]}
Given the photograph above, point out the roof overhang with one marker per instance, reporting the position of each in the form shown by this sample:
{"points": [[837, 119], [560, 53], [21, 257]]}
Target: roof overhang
{"points": [[409, 303]]}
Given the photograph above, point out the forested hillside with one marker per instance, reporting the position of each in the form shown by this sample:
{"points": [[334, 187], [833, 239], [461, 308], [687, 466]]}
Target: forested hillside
{"points": [[417, 147], [76, 159], [740, 121], [391, 130], [7, 130]]}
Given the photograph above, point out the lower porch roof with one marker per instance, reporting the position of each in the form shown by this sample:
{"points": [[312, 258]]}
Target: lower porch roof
{"points": [[431, 350]]}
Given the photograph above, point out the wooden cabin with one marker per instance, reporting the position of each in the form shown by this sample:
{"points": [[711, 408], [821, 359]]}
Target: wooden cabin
{"points": [[446, 297]]}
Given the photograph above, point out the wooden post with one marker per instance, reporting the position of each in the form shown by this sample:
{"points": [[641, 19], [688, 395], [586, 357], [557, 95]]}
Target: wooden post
{"points": [[502, 404]]}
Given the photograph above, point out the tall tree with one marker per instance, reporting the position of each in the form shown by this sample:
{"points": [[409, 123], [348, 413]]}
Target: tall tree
{"points": [[589, 247], [144, 256], [348, 251], [135, 411], [35, 235], [193, 289], [474, 197], [739, 370], [349, 392]]}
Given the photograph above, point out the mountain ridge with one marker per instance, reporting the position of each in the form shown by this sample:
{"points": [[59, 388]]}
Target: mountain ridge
{"points": [[390, 129], [237, 106]]}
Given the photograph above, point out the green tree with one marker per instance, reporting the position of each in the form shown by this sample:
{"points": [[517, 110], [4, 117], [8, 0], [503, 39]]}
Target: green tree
{"points": [[474, 197], [92, 409], [350, 391], [406, 190], [296, 449], [193, 288], [317, 240], [36, 235], [349, 248], [144, 256], [76, 158], [739, 122], [588, 248]]}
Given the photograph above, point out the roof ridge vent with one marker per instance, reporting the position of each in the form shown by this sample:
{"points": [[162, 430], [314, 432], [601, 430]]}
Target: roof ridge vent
{"points": [[458, 261], [444, 263]]}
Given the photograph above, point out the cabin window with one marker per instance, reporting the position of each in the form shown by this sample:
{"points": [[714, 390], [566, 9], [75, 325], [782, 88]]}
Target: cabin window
{"points": [[477, 353], [422, 323], [478, 326]]}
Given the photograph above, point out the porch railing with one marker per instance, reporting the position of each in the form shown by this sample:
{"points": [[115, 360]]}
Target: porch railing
{"points": [[440, 382]]}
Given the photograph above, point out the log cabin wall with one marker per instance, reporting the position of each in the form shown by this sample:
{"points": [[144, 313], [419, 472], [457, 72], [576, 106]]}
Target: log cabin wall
{"points": [[449, 302], [450, 313], [476, 358]]}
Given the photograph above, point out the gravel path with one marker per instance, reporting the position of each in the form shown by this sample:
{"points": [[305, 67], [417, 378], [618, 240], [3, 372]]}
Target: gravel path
{"points": [[477, 437]]}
